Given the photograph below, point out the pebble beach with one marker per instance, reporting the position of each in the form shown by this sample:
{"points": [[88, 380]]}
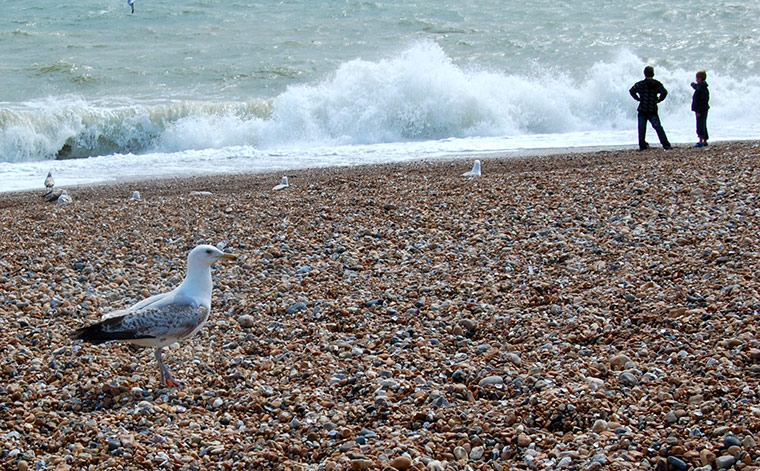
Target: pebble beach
{"points": [[580, 311]]}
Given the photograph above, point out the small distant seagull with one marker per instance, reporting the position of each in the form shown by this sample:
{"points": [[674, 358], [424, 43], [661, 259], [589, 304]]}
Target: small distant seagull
{"points": [[283, 184], [64, 198], [49, 182], [475, 172], [53, 194], [131, 3]]}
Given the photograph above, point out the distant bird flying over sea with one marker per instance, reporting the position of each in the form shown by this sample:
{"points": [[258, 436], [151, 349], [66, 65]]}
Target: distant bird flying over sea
{"points": [[131, 3], [165, 318]]}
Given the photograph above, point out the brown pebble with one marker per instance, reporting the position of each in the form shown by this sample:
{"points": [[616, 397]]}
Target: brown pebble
{"points": [[401, 462], [706, 457], [523, 440], [619, 361], [360, 464], [599, 426]]}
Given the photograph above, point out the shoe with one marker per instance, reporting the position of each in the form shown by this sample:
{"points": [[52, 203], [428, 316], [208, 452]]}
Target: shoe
{"points": [[699, 144], [668, 147], [705, 144]]}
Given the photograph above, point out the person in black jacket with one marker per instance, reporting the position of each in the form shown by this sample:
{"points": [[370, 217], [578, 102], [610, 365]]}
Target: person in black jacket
{"points": [[699, 105], [648, 93]]}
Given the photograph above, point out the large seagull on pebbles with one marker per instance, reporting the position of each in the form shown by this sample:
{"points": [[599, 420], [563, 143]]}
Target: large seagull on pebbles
{"points": [[166, 318]]}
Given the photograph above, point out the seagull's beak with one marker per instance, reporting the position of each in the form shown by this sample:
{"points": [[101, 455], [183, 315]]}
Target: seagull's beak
{"points": [[228, 256]]}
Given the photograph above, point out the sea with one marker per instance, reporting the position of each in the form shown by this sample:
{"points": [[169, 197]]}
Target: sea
{"points": [[97, 94]]}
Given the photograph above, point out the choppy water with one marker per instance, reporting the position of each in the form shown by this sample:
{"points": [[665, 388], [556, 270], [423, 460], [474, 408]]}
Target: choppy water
{"points": [[210, 86]]}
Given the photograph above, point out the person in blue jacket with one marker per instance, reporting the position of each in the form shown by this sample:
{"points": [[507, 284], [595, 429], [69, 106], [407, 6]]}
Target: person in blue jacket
{"points": [[699, 105], [648, 93]]}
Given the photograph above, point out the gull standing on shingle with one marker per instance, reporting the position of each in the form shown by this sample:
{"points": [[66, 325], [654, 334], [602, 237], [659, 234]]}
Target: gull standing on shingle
{"points": [[166, 318], [64, 198], [475, 172], [283, 184], [49, 182]]}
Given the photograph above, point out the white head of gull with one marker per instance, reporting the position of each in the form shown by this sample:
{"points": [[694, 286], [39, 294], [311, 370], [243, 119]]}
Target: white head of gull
{"points": [[165, 318], [283, 184], [475, 172]]}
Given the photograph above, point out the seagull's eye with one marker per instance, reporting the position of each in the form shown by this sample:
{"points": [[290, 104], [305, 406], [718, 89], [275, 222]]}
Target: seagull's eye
{"points": [[208, 252]]}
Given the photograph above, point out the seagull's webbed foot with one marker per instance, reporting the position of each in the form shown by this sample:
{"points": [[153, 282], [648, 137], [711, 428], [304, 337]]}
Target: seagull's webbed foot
{"points": [[167, 380]]}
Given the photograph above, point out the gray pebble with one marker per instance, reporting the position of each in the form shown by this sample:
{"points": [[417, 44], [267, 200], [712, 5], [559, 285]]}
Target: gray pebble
{"points": [[441, 402], [491, 380], [731, 440], [514, 358], [628, 379], [459, 376], [677, 463], [725, 462], [468, 324], [477, 453], [296, 307]]}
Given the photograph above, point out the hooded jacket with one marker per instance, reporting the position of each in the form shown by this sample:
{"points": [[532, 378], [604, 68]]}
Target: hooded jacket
{"points": [[648, 93], [701, 97]]}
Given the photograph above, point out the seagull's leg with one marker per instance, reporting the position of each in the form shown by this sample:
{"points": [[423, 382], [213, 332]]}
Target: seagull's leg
{"points": [[166, 378]]}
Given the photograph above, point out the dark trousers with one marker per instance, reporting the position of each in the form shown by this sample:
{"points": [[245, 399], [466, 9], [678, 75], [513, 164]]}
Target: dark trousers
{"points": [[702, 126], [655, 120]]}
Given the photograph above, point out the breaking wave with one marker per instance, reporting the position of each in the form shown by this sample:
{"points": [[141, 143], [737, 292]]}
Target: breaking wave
{"points": [[419, 94]]}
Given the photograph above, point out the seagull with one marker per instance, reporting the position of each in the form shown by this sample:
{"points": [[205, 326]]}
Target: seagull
{"points": [[64, 198], [49, 182], [165, 318], [131, 3], [475, 172], [283, 184]]}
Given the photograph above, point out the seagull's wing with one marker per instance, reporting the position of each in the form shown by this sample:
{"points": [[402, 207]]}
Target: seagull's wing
{"points": [[151, 326], [155, 301]]}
